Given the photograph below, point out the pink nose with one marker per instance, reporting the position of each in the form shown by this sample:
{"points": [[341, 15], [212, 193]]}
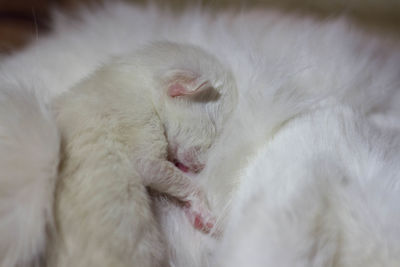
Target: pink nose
{"points": [[181, 167]]}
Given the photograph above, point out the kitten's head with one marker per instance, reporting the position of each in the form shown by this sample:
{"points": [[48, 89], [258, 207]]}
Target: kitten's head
{"points": [[194, 94]]}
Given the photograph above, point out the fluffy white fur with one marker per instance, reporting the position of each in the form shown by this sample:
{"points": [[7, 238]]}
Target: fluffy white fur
{"points": [[323, 192], [305, 87], [29, 145], [118, 128]]}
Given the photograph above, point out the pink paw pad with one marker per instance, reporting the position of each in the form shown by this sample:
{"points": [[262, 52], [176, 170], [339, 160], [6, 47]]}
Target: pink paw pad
{"points": [[201, 225], [200, 221]]}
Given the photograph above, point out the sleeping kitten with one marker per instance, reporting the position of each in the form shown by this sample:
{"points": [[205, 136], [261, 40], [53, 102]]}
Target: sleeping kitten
{"points": [[281, 61], [118, 128]]}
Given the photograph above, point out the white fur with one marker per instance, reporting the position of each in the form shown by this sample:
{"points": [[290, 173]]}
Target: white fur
{"points": [[285, 66], [29, 145], [323, 192], [117, 128]]}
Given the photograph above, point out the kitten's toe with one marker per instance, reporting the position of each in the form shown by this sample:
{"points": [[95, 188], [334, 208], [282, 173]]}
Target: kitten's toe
{"points": [[200, 217]]}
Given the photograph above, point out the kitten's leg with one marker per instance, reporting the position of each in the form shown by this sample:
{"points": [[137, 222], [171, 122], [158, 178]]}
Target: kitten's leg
{"points": [[103, 211], [164, 177]]}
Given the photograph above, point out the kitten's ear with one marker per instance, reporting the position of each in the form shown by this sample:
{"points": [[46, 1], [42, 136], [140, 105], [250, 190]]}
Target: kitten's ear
{"points": [[185, 83]]}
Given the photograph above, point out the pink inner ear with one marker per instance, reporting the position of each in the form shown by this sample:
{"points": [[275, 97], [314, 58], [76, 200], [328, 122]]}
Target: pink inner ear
{"points": [[177, 89]]}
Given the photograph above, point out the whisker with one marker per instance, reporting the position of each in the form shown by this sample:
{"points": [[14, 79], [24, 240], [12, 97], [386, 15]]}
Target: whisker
{"points": [[35, 23]]}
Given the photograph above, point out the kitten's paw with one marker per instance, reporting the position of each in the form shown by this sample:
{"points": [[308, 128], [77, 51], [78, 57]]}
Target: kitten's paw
{"points": [[199, 214]]}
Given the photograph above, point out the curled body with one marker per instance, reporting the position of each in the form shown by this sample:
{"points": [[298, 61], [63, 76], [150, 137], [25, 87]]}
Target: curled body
{"points": [[269, 53], [122, 130]]}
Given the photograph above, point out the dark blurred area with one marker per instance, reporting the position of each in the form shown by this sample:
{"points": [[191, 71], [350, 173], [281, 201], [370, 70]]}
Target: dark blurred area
{"points": [[19, 19], [25, 20]]}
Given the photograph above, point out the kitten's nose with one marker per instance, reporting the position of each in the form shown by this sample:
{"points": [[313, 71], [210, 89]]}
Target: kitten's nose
{"points": [[182, 167]]}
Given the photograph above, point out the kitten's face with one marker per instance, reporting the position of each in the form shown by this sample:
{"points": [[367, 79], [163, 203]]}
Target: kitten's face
{"points": [[193, 94], [192, 123], [189, 140]]}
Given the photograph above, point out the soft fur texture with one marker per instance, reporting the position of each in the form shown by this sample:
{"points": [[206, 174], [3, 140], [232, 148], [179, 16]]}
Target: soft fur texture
{"points": [[29, 145], [329, 196], [301, 176], [118, 129]]}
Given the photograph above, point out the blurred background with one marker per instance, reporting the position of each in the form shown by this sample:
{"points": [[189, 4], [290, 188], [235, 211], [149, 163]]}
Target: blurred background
{"points": [[24, 20]]}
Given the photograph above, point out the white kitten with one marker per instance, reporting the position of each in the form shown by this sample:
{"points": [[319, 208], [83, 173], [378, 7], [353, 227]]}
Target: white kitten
{"points": [[287, 63], [118, 128]]}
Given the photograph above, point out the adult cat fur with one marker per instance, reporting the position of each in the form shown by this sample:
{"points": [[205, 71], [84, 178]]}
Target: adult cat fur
{"points": [[323, 192], [284, 64]]}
